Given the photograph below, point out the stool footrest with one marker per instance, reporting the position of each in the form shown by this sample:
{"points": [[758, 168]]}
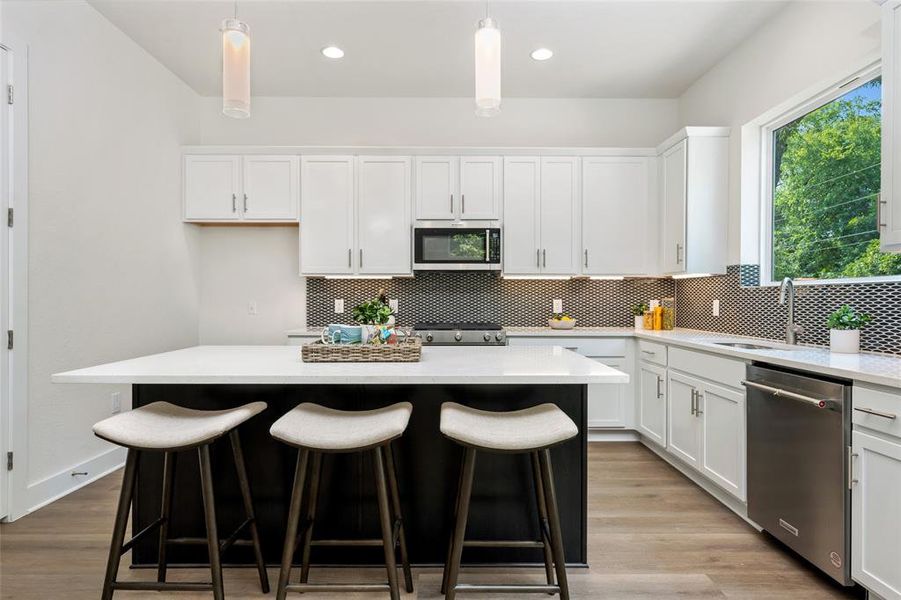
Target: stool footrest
{"points": [[155, 586], [337, 587], [372, 542], [464, 588], [134, 540], [502, 544]]}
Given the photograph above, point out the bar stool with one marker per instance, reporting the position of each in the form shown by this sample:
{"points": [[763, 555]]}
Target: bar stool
{"points": [[164, 427], [534, 431], [316, 430]]}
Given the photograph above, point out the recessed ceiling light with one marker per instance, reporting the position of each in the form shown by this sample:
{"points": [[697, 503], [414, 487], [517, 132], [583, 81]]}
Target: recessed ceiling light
{"points": [[333, 52], [541, 54]]}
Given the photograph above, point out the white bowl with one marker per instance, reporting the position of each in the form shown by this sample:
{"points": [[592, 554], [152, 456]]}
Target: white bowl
{"points": [[555, 324]]}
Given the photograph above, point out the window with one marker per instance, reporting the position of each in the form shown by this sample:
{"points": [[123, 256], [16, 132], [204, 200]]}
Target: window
{"points": [[824, 184]]}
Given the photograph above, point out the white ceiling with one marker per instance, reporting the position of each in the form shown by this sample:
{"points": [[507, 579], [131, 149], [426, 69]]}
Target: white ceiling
{"points": [[602, 49]]}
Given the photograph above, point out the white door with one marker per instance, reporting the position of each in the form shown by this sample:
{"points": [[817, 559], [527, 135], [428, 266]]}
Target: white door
{"points": [[480, 188], [617, 222], [211, 187], [384, 215], [436, 187], [652, 402], [684, 426], [326, 215], [607, 403], [559, 231], [675, 169], [271, 188], [723, 428], [876, 514], [890, 213], [522, 177]]}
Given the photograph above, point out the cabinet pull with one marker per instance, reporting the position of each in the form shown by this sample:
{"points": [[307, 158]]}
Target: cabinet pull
{"points": [[245, 203], [586, 257], [694, 399], [876, 413], [659, 393], [678, 254], [361, 258], [234, 206], [452, 204], [698, 411], [851, 456], [348, 258], [537, 257], [462, 203], [544, 258], [649, 352], [879, 203]]}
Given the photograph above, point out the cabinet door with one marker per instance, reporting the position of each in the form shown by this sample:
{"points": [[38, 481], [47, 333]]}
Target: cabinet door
{"points": [[211, 187], [607, 403], [480, 187], [522, 177], [436, 187], [684, 426], [875, 510], [326, 215], [618, 225], [675, 164], [559, 230], [652, 402], [723, 426], [270, 188], [890, 208], [383, 215]]}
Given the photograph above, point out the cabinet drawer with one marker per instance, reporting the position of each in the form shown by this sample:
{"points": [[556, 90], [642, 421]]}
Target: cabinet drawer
{"points": [[652, 352], [727, 371], [594, 347], [877, 400]]}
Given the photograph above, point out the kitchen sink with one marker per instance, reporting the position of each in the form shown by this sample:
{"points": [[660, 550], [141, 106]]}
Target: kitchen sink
{"points": [[751, 346]]}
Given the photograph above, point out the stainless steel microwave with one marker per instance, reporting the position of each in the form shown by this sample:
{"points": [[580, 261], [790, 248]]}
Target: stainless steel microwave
{"points": [[467, 246]]}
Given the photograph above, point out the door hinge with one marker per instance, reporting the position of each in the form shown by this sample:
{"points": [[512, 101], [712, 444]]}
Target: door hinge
{"points": [[10, 217], [9, 461], [9, 339], [10, 94]]}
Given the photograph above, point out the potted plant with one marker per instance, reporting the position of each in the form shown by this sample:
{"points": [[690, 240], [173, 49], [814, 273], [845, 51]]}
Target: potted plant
{"points": [[638, 311], [371, 314], [844, 329]]}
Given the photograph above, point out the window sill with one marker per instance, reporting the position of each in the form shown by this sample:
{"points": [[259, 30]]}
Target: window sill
{"points": [[843, 281]]}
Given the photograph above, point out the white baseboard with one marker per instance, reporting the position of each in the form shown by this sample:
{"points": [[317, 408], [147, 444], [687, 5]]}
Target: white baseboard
{"points": [[612, 435], [42, 493]]}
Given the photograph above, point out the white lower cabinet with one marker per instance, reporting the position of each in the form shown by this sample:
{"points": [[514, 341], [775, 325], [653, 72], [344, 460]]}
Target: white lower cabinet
{"points": [[683, 423], [876, 514], [722, 412], [652, 402], [607, 403]]}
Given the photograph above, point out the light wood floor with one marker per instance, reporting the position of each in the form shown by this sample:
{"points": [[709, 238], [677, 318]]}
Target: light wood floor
{"points": [[653, 535]]}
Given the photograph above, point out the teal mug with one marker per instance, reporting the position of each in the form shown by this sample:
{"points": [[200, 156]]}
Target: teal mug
{"points": [[341, 334]]}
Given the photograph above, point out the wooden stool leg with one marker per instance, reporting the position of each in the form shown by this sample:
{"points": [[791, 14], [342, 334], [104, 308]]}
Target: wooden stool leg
{"points": [[300, 473], [209, 511], [550, 494], [391, 471], [165, 512], [542, 518], [453, 567], [247, 499], [312, 499], [385, 518], [121, 524], [450, 538]]}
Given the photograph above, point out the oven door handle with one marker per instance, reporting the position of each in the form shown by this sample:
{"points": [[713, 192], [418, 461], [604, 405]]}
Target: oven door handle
{"points": [[780, 392]]}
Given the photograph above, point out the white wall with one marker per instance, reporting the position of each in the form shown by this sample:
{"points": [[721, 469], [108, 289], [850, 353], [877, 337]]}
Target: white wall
{"points": [[801, 46], [112, 270]]}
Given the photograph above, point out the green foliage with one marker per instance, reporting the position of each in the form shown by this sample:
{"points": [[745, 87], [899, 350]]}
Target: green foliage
{"points": [[372, 312], [639, 309], [824, 203], [468, 245], [846, 318]]}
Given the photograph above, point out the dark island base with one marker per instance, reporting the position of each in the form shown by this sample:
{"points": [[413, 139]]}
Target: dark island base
{"points": [[503, 501]]}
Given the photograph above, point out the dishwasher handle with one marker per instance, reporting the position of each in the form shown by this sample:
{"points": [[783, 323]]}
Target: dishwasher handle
{"points": [[780, 392]]}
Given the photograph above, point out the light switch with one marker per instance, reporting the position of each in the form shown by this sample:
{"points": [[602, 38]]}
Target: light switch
{"points": [[558, 305], [115, 402], [392, 304], [716, 308], [339, 305], [252, 308]]}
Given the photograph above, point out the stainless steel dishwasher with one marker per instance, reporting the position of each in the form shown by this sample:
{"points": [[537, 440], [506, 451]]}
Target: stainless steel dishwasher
{"points": [[799, 442]]}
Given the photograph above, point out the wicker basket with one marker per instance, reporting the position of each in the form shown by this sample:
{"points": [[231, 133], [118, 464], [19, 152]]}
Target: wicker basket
{"points": [[409, 350]]}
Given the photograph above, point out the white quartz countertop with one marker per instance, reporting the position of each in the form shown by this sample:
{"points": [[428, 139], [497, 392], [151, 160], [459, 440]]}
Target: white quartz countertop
{"points": [[282, 365]]}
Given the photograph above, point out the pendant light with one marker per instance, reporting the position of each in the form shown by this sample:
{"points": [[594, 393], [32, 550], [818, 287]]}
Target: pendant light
{"points": [[235, 68], [488, 68]]}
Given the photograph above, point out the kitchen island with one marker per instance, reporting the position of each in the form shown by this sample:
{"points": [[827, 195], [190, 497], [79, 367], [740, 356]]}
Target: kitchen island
{"points": [[489, 378]]}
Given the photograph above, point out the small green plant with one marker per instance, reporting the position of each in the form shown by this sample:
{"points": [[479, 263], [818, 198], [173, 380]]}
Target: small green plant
{"points": [[847, 318], [372, 312], [639, 309]]}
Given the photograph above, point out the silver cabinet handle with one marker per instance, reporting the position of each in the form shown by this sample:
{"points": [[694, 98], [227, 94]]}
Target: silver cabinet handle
{"points": [[245, 202], [876, 413], [348, 258], [659, 381], [452, 204], [678, 254], [698, 411], [462, 203], [537, 257], [851, 457], [361, 258], [879, 203], [544, 258], [234, 206], [487, 245], [780, 392], [586, 257], [694, 398], [649, 353]]}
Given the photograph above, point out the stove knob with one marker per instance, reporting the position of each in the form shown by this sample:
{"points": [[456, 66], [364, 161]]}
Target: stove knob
{"points": [[499, 336], [487, 337], [458, 336], [429, 337]]}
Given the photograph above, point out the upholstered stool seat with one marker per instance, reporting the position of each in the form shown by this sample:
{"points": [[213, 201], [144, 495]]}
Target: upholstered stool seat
{"points": [[164, 426], [514, 431], [330, 430]]}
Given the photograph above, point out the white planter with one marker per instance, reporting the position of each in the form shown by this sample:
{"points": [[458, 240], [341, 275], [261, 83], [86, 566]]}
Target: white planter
{"points": [[639, 322], [844, 341]]}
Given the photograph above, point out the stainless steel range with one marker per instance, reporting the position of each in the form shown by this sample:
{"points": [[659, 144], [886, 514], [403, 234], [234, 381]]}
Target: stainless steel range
{"points": [[461, 334]]}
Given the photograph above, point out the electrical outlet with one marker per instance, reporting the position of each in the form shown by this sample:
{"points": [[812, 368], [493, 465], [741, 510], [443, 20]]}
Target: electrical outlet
{"points": [[339, 305], [115, 399], [392, 304], [716, 308], [252, 308], [558, 305]]}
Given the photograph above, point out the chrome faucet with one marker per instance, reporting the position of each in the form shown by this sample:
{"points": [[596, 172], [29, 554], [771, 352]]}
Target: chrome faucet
{"points": [[787, 292]]}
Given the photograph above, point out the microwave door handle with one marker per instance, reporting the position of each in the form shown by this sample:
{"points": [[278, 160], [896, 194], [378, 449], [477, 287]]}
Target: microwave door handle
{"points": [[487, 245]]}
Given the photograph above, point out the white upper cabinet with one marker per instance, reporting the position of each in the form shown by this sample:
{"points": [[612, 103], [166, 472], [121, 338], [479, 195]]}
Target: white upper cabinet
{"points": [[383, 214], [541, 215], [889, 213], [327, 215], [252, 188], [450, 188], [619, 220], [270, 188], [694, 184], [212, 184]]}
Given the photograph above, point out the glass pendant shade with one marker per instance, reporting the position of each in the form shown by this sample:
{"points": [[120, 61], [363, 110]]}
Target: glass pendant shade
{"points": [[488, 68], [235, 69]]}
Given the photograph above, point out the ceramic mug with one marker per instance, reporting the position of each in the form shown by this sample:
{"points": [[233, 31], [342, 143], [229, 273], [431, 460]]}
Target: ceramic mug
{"points": [[341, 334]]}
